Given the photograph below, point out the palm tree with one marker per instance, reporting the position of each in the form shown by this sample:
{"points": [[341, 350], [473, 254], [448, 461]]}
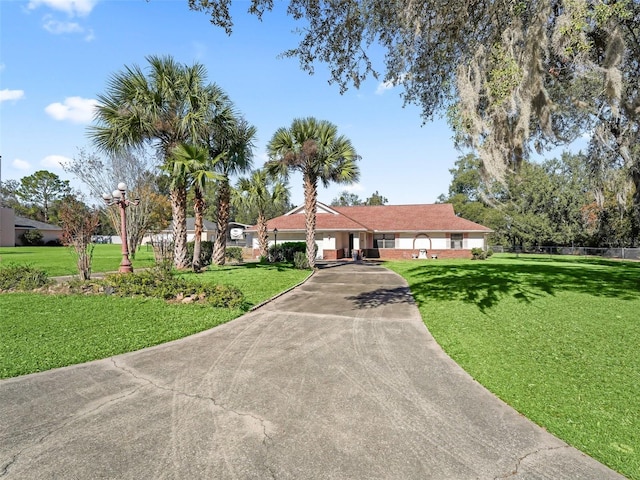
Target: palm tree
{"points": [[313, 148], [170, 105], [254, 193], [191, 162], [231, 144]]}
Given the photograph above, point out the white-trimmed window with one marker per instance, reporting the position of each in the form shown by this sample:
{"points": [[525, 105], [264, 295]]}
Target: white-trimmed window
{"points": [[384, 240], [457, 239]]}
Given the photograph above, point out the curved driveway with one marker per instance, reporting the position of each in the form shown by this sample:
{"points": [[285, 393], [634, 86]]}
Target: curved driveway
{"points": [[337, 379]]}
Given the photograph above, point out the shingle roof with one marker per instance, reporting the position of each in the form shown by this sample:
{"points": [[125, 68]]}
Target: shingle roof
{"points": [[22, 222], [207, 225], [384, 218]]}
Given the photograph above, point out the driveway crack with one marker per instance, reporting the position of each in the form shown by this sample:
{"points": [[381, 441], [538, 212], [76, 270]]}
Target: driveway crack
{"points": [[524, 457], [4, 469], [264, 424]]}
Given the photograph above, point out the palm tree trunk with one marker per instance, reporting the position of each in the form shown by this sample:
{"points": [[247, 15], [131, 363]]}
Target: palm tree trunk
{"points": [[198, 208], [263, 236], [310, 204], [219, 249], [179, 211]]}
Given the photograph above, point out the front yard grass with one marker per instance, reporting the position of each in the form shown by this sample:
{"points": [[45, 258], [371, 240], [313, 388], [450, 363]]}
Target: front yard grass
{"points": [[59, 261], [40, 332], [556, 338]]}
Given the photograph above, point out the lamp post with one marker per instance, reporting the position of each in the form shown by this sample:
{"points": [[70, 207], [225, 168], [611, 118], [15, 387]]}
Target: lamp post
{"points": [[275, 245], [119, 197]]}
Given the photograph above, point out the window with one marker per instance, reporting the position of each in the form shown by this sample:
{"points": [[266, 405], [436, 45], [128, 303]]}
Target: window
{"points": [[384, 240], [456, 240]]}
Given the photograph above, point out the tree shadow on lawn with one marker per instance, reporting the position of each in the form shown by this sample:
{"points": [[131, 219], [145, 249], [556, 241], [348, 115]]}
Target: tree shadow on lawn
{"points": [[485, 284]]}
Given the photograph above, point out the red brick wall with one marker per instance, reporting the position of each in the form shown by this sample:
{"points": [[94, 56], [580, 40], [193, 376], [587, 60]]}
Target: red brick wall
{"points": [[398, 254], [332, 254], [393, 254]]}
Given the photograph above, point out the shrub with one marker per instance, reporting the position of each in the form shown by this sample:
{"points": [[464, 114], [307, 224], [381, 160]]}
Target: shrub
{"points": [[161, 283], [478, 254], [206, 250], [234, 253], [285, 252], [32, 237], [54, 243], [163, 250], [300, 261], [224, 296], [22, 277]]}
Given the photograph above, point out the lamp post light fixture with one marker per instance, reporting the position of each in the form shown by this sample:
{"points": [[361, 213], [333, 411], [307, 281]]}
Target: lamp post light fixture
{"points": [[275, 244], [119, 197]]}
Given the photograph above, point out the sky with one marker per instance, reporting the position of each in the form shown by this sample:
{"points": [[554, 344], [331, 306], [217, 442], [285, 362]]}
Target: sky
{"points": [[56, 57]]}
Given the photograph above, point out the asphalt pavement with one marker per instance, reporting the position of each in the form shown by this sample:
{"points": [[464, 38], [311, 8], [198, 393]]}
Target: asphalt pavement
{"points": [[337, 379]]}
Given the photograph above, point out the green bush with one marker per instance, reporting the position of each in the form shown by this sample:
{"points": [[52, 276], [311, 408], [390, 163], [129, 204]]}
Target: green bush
{"points": [[161, 283], [285, 252], [224, 296], [300, 261], [22, 277], [32, 237], [54, 243], [478, 254], [234, 253], [206, 251]]}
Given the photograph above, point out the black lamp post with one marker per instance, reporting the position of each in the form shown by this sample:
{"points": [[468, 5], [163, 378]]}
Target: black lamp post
{"points": [[275, 236], [119, 197]]}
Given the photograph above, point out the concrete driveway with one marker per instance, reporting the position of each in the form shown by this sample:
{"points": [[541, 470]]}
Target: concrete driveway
{"points": [[337, 379]]}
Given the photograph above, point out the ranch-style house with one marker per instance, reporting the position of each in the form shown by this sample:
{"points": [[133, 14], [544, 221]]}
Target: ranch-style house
{"points": [[384, 232]]}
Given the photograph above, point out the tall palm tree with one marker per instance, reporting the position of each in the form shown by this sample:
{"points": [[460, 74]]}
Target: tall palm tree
{"points": [[170, 105], [231, 145], [260, 193], [314, 148], [191, 162]]}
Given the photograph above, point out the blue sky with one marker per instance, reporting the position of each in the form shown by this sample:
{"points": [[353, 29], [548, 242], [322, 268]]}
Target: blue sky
{"points": [[57, 55]]}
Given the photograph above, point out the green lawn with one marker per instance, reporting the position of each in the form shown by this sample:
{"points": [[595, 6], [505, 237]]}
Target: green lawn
{"points": [[58, 261], [556, 338], [39, 332]]}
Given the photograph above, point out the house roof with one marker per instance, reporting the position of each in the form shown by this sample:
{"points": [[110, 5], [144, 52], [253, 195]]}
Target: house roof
{"points": [[22, 222], [382, 218], [207, 225]]}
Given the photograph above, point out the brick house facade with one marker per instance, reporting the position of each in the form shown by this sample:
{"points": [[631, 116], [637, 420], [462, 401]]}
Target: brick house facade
{"points": [[384, 232]]}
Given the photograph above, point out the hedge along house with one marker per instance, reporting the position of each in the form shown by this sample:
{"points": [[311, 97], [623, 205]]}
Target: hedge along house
{"points": [[384, 232]]}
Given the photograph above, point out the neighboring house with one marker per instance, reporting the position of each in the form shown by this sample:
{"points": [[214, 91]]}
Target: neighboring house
{"points": [[385, 231], [12, 227], [235, 232]]}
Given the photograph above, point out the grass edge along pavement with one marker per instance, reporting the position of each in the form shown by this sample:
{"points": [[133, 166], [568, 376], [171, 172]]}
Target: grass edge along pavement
{"points": [[39, 331], [555, 338]]}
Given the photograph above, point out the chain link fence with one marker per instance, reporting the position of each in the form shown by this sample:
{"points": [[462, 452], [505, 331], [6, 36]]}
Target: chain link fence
{"points": [[622, 253]]}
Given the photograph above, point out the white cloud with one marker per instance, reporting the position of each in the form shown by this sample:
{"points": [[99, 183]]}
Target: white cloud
{"points": [[354, 188], [80, 8], [383, 87], [21, 164], [389, 84], [58, 28], [74, 109], [7, 94], [55, 161]]}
